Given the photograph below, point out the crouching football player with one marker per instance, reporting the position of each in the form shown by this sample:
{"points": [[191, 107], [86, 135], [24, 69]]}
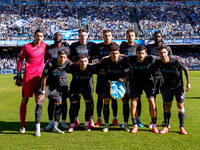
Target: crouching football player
{"points": [[116, 69], [81, 84], [51, 88], [171, 68]]}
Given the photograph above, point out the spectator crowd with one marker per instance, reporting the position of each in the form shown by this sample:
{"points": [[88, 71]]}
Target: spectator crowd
{"points": [[175, 21], [179, 21]]}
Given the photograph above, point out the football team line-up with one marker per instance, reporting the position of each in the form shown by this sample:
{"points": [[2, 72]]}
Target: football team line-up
{"points": [[151, 68]]}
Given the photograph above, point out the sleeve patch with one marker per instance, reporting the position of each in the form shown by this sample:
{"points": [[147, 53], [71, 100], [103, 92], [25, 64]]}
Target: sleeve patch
{"points": [[46, 71]]}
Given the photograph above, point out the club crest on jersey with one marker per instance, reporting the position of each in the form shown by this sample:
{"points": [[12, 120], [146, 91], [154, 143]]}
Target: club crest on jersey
{"points": [[117, 89], [109, 71], [46, 71]]}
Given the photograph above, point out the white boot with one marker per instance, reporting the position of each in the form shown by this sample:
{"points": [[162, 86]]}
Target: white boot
{"points": [[55, 128], [37, 130]]}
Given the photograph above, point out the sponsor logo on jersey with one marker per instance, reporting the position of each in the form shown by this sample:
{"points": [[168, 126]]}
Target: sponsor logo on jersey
{"points": [[168, 71], [142, 67]]}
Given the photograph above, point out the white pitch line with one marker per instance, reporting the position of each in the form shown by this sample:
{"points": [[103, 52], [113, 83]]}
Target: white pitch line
{"points": [[193, 77]]}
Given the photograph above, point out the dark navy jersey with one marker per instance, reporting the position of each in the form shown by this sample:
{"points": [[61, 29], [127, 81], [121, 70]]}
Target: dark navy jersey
{"points": [[103, 50], [76, 48], [53, 71], [81, 79], [128, 50], [52, 51], [172, 71], [152, 49], [114, 70], [142, 71]]}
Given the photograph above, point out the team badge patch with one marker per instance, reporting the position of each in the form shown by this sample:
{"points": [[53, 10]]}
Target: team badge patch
{"points": [[117, 89], [46, 71]]}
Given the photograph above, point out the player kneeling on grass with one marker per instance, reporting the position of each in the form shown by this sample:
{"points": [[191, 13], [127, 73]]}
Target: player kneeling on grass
{"points": [[171, 68], [51, 88], [141, 79], [116, 69], [82, 83]]}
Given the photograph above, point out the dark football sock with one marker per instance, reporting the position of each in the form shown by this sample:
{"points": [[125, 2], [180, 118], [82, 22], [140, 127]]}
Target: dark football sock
{"points": [[181, 119], [126, 111], [58, 111], [106, 113], [114, 107], [99, 106], [167, 118]]}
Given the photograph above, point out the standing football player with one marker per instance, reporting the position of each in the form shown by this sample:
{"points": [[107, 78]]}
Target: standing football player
{"points": [[171, 68], [82, 47], [129, 49], [141, 79], [51, 53], [103, 49], [34, 54], [152, 49]]}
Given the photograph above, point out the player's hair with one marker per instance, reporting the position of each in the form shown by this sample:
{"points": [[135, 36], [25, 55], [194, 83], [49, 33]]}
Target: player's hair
{"points": [[162, 47], [38, 30], [82, 55], [140, 48], [114, 48], [157, 32], [82, 30], [106, 31], [62, 51], [130, 30], [56, 33]]}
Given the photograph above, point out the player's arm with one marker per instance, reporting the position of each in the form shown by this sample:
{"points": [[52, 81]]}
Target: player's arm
{"points": [[47, 54], [45, 74], [126, 71], [93, 53], [169, 51], [122, 45], [67, 68], [126, 76], [72, 52], [186, 71], [101, 67], [41, 96], [18, 77], [22, 55]]}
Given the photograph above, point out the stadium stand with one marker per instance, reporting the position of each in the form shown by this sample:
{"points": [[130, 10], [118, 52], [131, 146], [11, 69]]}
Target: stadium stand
{"points": [[175, 21], [179, 21]]}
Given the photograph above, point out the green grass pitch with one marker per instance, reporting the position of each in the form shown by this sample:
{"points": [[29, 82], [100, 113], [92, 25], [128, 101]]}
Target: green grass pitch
{"points": [[116, 138]]}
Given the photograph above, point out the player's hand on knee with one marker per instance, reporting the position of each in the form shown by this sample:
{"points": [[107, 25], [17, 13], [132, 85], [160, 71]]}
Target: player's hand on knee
{"points": [[39, 98]]}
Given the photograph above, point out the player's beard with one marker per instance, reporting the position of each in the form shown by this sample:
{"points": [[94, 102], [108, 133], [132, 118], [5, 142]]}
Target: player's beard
{"points": [[58, 41], [158, 42]]}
